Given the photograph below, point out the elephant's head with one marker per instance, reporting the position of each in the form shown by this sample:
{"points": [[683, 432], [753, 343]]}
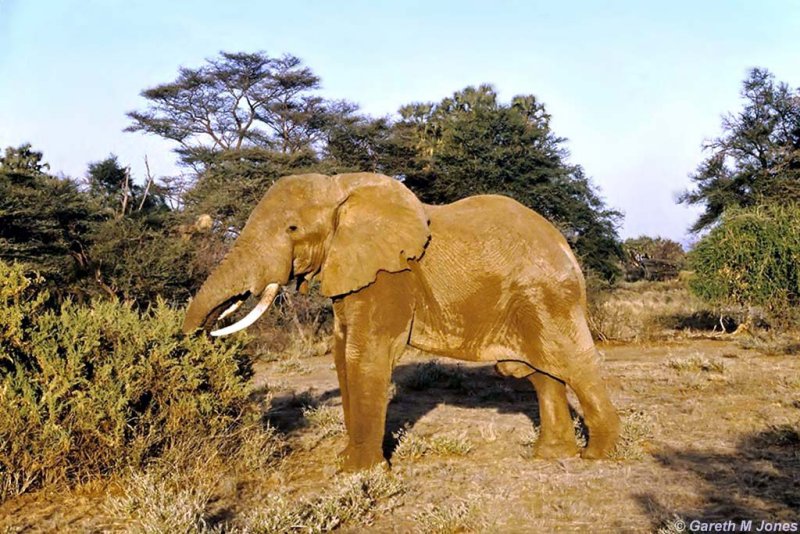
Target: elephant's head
{"points": [[342, 229]]}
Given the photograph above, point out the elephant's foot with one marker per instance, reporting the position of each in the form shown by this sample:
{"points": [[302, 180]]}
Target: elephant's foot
{"points": [[361, 458], [551, 450], [601, 445]]}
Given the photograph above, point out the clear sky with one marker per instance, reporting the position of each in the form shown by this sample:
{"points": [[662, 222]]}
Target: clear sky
{"points": [[635, 86]]}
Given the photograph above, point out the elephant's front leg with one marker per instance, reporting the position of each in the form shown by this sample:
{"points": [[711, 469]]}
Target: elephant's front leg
{"points": [[375, 322]]}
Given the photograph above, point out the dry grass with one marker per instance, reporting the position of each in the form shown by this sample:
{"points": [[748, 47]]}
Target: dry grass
{"points": [[772, 343], [448, 518], [327, 420], [293, 366], [642, 311], [529, 438], [297, 347], [696, 364], [411, 446], [698, 441], [637, 429], [351, 500], [153, 503]]}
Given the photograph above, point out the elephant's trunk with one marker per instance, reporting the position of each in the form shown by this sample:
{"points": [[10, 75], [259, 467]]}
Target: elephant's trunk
{"points": [[228, 284], [246, 270]]}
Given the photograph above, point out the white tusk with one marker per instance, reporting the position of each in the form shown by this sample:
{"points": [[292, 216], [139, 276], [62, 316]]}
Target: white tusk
{"points": [[266, 299], [232, 308]]}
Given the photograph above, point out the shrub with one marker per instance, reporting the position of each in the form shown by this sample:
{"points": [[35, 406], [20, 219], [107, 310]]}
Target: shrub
{"points": [[649, 258], [136, 259], [87, 390], [20, 297], [752, 259]]}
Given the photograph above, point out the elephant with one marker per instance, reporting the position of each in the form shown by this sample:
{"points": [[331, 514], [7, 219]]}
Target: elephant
{"points": [[483, 279]]}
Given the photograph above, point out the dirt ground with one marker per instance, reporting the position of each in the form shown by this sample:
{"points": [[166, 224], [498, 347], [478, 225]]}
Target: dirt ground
{"points": [[716, 430]]}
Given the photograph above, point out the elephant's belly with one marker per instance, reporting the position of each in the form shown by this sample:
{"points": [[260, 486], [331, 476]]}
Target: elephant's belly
{"points": [[451, 336]]}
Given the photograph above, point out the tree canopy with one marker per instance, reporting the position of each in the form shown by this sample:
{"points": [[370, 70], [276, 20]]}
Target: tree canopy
{"points": [[44, 221], [112, 186], [235, 101], [756, 160]]}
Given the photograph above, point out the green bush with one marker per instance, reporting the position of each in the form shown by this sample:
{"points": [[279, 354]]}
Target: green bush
{"points": [[751, 259], [89, 390], [136, 259]]}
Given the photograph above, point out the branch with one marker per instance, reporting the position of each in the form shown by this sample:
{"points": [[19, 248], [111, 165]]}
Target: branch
{"points": [[149, 182], [126, 191]]}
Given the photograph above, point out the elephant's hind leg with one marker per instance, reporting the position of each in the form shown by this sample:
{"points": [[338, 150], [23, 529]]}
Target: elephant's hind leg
{"points": [[563, 348], [582, 374], [556, 436]]}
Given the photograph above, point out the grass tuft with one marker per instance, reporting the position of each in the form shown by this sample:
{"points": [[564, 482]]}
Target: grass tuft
{"points": [[152, 503], [448, 518], [328, 420], [293, 366], [352, 499], [696, 364], [637, 428], [413, 446]]}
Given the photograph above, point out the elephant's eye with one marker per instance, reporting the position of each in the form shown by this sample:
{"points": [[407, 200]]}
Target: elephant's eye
{"points": [[292, 228]]}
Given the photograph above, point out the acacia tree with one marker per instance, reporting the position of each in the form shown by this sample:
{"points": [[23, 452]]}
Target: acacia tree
{"points": [[232, 102], [756, 160]]}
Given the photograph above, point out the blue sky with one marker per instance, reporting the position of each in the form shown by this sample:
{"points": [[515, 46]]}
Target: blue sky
{"points": [[635, 86]]}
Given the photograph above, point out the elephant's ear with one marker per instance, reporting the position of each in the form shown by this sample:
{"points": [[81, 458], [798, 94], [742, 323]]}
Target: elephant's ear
{"points": [[377, 228]]}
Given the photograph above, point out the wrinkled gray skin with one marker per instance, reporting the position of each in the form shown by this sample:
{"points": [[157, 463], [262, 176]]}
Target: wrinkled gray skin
{"points": [[482, 279]]}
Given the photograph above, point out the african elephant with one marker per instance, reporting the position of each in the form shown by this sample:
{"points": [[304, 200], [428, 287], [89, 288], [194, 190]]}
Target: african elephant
{"points": [[481, 279]]}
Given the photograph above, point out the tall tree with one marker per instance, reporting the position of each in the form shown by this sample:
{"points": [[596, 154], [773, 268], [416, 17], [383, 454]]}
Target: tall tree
{"points": [[757, 158], [44, 221], [235, 101], [353, 141], [24, 160]]}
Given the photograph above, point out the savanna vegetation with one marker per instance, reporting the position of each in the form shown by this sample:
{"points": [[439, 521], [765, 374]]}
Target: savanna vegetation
{"points": [[141, 428]]}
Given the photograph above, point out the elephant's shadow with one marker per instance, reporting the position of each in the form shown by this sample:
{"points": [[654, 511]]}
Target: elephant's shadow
{"points": [[419, 389]]}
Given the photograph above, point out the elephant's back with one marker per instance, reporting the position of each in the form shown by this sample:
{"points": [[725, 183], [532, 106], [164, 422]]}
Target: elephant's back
{"points": [[496, 220], [497, 234]]}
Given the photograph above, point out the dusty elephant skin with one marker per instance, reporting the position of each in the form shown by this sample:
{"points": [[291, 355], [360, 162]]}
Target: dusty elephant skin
{"points": [[482, 279]]}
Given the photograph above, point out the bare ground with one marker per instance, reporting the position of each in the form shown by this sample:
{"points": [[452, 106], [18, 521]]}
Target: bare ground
{"points": [[717, 438]]}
